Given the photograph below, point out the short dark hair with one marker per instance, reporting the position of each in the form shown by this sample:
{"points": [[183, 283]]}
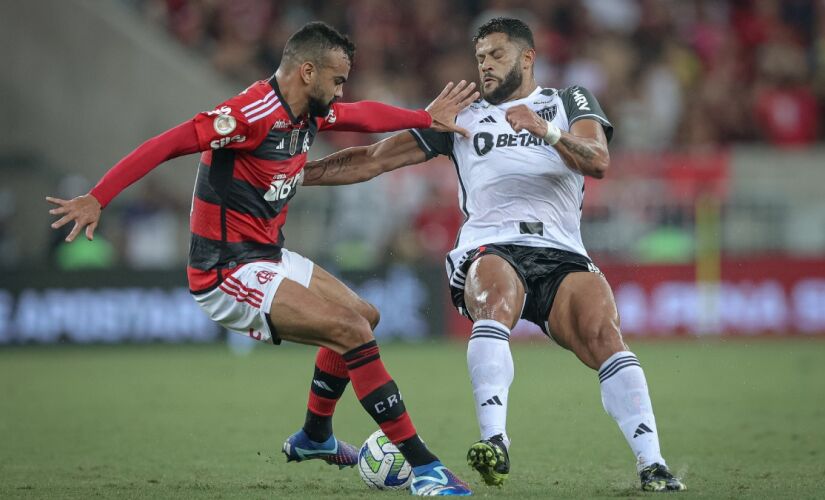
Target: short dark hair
{"points": [[314, 40], [515, 29]]}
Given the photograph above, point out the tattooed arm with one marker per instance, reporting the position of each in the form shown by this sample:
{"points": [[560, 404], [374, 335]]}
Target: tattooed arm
{"points": [[360, 164], [583, 149]]}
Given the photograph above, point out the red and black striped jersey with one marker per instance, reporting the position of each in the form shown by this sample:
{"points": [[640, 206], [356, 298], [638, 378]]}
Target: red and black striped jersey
{"points": [[255, 150]]}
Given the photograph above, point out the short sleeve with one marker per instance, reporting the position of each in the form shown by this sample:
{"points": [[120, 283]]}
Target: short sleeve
{"points": [[580, 103], [233, 124], [433, 143]]}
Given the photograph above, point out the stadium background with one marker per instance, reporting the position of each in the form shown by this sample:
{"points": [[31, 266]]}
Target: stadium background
{"points": [[710, 224]]}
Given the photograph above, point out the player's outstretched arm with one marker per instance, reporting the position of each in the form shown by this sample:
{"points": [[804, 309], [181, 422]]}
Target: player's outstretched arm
{"points": [[360, 164], [84, 210], [372, 116], [584, 148]]}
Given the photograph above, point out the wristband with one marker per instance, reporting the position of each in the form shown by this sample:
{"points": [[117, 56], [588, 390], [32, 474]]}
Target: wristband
{"points": [[553, 134]]}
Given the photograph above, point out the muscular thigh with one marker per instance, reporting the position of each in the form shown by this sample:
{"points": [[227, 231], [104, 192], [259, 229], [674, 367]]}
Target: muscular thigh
{"points": [[584, 317], [299, 314], [494, 290], [329, 287]]}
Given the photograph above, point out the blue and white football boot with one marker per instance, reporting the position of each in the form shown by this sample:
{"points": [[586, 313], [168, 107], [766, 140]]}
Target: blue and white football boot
{"points": [[298, 447], [435, 480]]}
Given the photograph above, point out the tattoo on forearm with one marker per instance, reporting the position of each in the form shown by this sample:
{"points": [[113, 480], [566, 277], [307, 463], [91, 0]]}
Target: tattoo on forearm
{"points": [[585, 152], [328, 168]]}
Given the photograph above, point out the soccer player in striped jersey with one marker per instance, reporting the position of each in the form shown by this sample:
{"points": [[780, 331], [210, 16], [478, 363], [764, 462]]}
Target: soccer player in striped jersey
{"points": [[519, 253], [254, 149]]}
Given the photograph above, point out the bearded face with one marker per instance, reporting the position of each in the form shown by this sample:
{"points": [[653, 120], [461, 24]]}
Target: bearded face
{"points": [[319, 103], [496, 93]]}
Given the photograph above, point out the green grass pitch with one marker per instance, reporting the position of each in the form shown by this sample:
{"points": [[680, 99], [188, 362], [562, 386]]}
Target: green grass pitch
{"points": [[743, 418]]}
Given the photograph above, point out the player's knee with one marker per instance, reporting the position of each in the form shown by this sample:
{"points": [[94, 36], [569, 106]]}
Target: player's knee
{"points": [[495, 307], [351, 330], [370, 313], [602, 340]]}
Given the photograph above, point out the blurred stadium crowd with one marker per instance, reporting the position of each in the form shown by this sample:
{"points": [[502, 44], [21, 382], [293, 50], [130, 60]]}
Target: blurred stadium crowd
{"points": [[686, 74], [690, 78]]}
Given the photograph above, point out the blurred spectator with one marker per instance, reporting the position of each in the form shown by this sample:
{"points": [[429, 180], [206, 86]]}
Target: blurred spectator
{"points": [[436, 224], [784, 103]]}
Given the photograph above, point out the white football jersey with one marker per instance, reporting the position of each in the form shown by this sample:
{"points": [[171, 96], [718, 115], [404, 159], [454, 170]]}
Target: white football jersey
{"points": [[515, 188]]}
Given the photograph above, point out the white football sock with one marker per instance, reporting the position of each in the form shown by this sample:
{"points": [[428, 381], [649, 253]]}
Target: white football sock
{"points": [[625, 397], [491, 372]]}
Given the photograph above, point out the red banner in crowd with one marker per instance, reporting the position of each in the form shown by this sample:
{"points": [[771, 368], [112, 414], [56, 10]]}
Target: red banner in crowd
{"points": [[766, 296]]}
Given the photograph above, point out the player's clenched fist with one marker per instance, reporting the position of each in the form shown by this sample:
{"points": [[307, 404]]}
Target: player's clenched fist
{"points": [[83, 210], [523, 118]]}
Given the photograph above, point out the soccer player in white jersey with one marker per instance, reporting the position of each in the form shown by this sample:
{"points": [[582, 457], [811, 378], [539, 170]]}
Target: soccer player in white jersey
{"points": [[519, 253]]}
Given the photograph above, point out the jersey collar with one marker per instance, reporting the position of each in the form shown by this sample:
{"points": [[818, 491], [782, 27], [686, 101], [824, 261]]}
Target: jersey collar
{"points": [[273, 82], [513, 103]]}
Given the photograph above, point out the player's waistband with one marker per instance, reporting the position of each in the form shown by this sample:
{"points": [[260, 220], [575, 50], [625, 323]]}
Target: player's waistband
{"points": [[203, 281]]}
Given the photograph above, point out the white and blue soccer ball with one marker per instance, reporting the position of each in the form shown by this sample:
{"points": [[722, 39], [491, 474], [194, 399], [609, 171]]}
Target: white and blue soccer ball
{"points": [[381, 465]]}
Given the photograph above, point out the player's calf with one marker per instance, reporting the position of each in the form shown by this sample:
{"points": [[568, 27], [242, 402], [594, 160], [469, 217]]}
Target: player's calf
{"points": [[595, 341]]}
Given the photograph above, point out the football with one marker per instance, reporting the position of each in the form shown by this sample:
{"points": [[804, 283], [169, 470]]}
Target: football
{"points": [[381, 465]]}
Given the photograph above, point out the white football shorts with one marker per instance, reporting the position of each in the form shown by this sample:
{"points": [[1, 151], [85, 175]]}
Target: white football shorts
{"points": [[242, 301]]}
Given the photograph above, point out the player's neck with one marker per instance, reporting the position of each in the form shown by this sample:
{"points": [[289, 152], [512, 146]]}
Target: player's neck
{"points": [[292, 91], [528, 85]]}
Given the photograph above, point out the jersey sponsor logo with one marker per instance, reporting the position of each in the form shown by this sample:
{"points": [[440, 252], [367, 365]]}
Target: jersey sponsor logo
{"points": [[281, 187], [547, 113], [305, 146], [581, 100], [280, 124], [223, 110], [219, 143], [331, 116], [484, 142]]}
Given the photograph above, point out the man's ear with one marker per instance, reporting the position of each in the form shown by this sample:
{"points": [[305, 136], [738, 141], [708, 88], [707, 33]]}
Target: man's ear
{"points": [[308, 71], [528, 57]]}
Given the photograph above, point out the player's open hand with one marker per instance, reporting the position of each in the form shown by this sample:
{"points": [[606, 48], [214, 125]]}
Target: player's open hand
{"points": [[523, 118], [449, 102], [83, 210]]}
